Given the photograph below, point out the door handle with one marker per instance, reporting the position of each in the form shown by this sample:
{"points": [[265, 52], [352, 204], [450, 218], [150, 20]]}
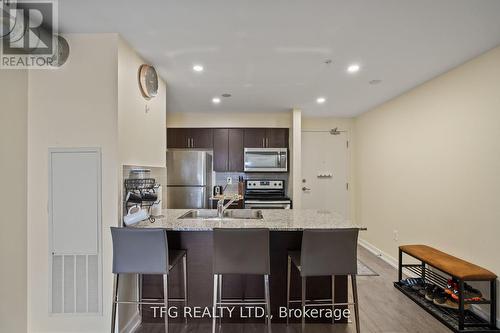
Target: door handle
{"points": [[306, 189]]}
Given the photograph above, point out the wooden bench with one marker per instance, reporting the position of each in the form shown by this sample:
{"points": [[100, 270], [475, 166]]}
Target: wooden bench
{"points": [[448, 264], [460, 270]]}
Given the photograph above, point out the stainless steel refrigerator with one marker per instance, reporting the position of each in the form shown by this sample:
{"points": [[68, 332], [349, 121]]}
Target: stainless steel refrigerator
{"points": [[189, 179]]}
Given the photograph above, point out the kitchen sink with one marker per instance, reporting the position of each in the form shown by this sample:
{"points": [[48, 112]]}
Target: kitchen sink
{"points": [[200, 214], [243, 214], [228, 214]]}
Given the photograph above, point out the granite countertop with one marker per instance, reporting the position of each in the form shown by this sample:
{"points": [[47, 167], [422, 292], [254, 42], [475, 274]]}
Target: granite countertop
{"points": [[274, 219]]}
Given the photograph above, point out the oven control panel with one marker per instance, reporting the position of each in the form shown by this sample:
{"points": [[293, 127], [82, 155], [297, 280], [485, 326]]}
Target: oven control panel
{"points": [[265, 184]]}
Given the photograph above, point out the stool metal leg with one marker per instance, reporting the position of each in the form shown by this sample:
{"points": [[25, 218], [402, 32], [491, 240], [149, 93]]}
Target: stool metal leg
{"points": [[303, 302], [220, 298], [333, 298], [355, 296], [184, 269], [139, 294], [268, 302], [288, 282], [216, 278], [493, 304], [288, 278], [115, 299], [165, 295]]}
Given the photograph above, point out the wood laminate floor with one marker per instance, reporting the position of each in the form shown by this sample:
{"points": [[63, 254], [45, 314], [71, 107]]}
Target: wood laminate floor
{"points": [[382, 309]]}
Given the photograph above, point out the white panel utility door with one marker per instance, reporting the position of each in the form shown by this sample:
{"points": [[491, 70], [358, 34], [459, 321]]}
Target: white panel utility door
{"points": [[75, 201], [325, 171], [75, 224]]}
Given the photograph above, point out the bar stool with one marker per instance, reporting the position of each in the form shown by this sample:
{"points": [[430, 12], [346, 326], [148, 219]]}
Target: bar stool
{"points": [[326, 253], [144, 251], [244, 252]]}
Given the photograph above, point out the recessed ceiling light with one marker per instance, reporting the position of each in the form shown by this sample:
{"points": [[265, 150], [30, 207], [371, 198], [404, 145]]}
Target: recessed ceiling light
{"points": [[375, 82], [226, 95], [216, 100], [353, 68], [320, 100], [198, 68]]}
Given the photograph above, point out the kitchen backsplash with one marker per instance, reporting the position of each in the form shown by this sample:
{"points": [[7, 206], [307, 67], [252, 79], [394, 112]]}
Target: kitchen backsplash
{"points": [[220, 179]]}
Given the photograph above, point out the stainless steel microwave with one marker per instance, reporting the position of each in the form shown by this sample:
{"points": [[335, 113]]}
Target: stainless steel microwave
{"points": [[266, 160]]}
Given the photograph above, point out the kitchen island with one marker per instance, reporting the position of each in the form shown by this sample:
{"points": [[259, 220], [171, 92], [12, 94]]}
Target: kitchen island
{"points": [[195, 236]]}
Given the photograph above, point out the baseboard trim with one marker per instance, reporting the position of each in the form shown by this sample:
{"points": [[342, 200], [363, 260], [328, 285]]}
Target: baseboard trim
{"points": [[132, 324], [394, 263], [379, 253]]}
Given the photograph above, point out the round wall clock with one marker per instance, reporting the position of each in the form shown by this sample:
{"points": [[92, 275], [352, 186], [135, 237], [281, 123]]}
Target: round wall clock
{"points": [[148, 81]]}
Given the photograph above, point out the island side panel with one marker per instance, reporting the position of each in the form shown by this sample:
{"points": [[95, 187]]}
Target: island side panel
{"points": [[200, 280]]}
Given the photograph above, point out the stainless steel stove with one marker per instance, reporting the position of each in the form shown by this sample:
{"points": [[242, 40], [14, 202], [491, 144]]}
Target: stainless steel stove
{"points": [[266, 194]]}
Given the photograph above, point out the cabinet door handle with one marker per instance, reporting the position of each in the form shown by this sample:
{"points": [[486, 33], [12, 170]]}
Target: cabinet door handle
{"points": [[267, 142], [188, 143], [263, 143], [192, 143]]}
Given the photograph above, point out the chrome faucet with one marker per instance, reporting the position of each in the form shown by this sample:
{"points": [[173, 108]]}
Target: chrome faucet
{"points": [[221, 207]]}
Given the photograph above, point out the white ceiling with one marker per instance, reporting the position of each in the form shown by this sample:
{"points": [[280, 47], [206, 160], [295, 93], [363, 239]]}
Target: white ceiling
{"points": [[270, 54]]}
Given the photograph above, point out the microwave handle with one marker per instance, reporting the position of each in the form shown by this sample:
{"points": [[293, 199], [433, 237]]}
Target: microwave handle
{"points": [[281, 160]]}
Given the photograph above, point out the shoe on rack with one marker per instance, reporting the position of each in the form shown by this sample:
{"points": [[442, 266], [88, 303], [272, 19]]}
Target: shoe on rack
{"points": [[434, 293], [411, 282], [446, 302], [428, 287], [420, 288], [470, 294]]}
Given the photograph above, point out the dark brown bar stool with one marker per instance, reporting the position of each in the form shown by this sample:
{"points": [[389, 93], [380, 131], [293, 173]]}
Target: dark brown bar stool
{"points": [[144, 251], [241, 251], [326, 253]]}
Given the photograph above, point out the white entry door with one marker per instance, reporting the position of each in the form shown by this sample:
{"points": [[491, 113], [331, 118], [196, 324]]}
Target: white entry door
{"points": [[324, 172]]}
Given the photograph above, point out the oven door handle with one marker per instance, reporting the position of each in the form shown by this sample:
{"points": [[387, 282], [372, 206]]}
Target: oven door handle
{"points": [[277, 206], [275, 202]]}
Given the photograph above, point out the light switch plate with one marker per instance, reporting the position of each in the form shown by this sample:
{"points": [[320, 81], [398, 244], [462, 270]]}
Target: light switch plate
{"points": [[229, 180]]}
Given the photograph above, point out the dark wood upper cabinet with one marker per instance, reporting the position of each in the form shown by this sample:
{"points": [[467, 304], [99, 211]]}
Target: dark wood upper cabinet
{"points": [[221, 149], [254, 137], [228, 149], [228, 144], [266, 138], [276, 137], [235, 154], [201, 137], [178, 138], [190, 138]]}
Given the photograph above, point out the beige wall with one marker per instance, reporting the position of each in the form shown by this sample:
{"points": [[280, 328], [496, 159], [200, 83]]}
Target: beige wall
{"points": [[74, 106], [13, 167], [227, 119], [428, 165], [141, 132], [142, 142]]}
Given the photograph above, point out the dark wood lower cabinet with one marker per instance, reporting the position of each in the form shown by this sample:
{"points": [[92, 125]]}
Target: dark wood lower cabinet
{"points": [[200, 279]]}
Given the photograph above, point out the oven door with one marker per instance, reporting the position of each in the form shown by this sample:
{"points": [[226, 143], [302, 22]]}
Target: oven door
{"points": [[266, 160], [264, 204]]}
